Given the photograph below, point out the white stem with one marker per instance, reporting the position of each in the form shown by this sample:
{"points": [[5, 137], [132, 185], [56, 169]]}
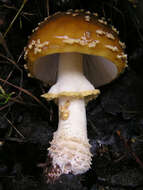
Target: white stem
{"points": [[70, 149], [70, 75], [70, 65], [75, 125]]}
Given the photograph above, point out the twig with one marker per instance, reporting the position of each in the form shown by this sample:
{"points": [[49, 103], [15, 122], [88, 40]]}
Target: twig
{"points": [[14, 128], [130, 149], [26, 92], [3, 43], [13, 139], [47, 7], [5, 106], [14, 63], [12, 22], [14, 8]]}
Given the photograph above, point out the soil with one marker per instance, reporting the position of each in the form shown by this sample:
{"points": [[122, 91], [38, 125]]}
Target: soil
{"points": [[27, 121]]}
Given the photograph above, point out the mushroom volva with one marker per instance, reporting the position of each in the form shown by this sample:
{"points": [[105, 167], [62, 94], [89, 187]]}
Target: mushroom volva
{"points": [[74, 52]]}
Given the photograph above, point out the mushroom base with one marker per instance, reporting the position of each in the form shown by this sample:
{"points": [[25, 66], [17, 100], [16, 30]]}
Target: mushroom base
{"points": [[70, 155]]}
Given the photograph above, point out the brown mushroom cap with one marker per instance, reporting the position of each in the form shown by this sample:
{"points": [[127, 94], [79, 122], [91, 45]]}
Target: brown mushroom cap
{"points": [[80, 32]]}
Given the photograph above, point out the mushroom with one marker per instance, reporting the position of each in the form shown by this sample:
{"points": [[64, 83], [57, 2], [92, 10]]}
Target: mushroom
{"points": [[74, 51]]}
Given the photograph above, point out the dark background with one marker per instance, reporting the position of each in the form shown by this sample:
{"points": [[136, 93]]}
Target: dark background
{"points": [[27, 122]]}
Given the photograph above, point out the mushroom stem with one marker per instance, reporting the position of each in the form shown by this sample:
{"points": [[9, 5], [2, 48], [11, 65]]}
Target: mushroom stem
{"points": [[73, 125], [70, 148], [70, 75], [70, 67]]}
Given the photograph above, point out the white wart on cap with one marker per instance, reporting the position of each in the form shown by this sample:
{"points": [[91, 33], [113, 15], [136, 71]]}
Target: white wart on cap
{"points": [[81, 32]]}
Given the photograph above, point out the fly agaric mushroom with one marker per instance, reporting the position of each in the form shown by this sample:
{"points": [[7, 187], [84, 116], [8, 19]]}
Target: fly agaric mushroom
{"points": [[76, 52]]}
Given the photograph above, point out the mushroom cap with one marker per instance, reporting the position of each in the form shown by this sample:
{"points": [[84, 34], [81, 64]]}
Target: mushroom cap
{"points": [[80, 32]]}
